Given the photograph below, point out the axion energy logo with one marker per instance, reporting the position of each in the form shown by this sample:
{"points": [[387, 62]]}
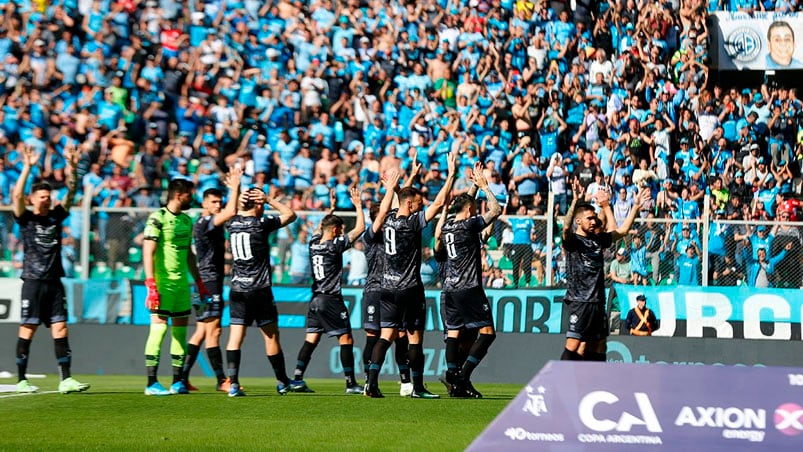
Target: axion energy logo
{"points": [[789, 419]]}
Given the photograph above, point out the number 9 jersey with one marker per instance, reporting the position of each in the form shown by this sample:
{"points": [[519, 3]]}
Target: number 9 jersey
{"points": [[402, 240], [250, 250]]}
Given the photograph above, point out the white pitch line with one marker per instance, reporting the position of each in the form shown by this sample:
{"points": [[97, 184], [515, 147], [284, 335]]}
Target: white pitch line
{"points": [[27, 394]]}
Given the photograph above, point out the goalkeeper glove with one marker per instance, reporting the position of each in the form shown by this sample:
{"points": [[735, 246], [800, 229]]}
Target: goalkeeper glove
{"points": [[152, 301]]}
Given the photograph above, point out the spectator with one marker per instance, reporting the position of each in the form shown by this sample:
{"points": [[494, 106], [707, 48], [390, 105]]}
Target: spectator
{"points": [[620, 271], [762, 270], [687, 267]]}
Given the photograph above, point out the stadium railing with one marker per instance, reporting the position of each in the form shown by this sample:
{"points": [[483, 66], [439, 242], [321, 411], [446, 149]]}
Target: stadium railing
{"points": [[106, 243]]}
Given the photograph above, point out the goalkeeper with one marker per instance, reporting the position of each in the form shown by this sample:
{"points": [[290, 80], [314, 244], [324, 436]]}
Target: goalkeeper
{"points": [[167, 257]]}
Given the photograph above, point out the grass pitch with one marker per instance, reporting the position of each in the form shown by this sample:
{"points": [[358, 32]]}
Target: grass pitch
{"points": [[115, 415]]}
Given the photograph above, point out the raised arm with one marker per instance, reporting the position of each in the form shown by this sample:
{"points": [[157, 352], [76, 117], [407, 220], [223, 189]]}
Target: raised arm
{"points": [[474, 189], [603, 198], [415, 168], [359, 227], [73, 155], [642, 197], [436, 247], [440, 199], [233, 183], [286, 214], [568, 219], [494, 208], [28, 160], [390, 182]]}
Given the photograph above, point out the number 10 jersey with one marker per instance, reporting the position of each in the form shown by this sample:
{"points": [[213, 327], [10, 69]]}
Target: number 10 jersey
{"points": [[250, 250]]}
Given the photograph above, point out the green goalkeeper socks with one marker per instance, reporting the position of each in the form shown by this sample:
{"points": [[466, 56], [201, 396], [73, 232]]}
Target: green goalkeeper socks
{"points": [[178, 345], [153, 347]]}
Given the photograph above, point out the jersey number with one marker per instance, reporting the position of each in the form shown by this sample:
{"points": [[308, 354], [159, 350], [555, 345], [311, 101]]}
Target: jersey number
{"points": [[390, 241], [241, 246], [450, 250], [317, 268]]}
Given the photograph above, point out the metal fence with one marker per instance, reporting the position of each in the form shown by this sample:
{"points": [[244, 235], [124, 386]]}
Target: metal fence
{"points": [[102, 243]]}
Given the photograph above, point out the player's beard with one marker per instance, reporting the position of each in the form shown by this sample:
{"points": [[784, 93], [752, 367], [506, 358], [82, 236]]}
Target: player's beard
{"points": [[186, 204]]}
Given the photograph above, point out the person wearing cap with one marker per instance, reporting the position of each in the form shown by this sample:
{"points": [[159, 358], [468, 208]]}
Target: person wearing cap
{"points": [[737, 188], [687, 264], [620, 271], [640, 320], [761, 238], [684, 240]]}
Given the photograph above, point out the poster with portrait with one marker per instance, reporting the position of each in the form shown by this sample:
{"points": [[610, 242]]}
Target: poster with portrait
{"points": [[763, 41]]}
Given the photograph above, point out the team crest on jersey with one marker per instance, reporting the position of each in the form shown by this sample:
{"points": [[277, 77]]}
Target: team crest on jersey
{"points": [[46, 235]]}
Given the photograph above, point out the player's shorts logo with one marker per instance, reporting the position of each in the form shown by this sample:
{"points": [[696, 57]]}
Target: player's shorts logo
{"points": [[371, 309], [743, 44], [25, 303], [789, 419], [344, 314], [573, 318]]}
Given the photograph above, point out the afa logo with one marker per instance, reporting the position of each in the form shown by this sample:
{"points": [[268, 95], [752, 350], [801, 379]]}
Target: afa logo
{"points": [[743, 44]]}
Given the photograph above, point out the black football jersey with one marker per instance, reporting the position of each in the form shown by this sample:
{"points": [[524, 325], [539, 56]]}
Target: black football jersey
{"points": [[41, 238], [375, 255], [210, 248], [402, 243], [326, 262], [585, 267], [250, 251], [460, 241]]}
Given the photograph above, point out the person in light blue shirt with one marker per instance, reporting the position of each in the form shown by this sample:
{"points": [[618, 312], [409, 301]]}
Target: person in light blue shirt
{"points": [[300, 271], [687, 268], [638, 261], [761, 238], [520, 250], [302, 168], [761, 269], [67, 63]]}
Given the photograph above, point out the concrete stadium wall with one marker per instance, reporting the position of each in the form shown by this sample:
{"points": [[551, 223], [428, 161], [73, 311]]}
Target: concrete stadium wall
{"points": [[513, 358]]}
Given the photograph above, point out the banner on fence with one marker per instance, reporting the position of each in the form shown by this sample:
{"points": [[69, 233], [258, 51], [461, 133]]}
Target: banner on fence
{"points": [[724, 312], [653, 407], [684, 311], [536, 311], [763, 41]]}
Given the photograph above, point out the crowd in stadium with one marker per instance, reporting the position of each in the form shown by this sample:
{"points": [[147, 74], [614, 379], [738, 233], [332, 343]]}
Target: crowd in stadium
{"points": [[316, 95]]}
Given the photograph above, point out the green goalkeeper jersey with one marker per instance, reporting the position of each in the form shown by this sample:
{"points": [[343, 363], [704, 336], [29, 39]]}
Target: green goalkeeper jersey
{"points": [[173, 236]]}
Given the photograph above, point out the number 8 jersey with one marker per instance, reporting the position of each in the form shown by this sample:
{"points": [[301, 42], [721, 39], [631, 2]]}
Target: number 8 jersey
{"points": [[462, 243], [326, 261], [250, 251]]}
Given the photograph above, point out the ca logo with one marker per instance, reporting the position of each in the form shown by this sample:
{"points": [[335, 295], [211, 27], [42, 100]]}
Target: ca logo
{"points": [[626, 421]]}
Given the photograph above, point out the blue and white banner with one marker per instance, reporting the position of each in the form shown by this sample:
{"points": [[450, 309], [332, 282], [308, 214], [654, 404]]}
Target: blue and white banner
{"points": [[761, 41], [613, 407], [723, 312]]}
